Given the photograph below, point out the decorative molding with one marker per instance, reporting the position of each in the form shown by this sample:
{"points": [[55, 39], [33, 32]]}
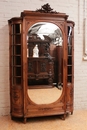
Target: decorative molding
{"points": [[30, 68], [45, 109], [71, 92], [85, 32], [43, 67]]}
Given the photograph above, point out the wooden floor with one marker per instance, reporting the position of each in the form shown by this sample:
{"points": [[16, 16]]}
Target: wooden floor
{"points": [[77, 121], [44, 95]]}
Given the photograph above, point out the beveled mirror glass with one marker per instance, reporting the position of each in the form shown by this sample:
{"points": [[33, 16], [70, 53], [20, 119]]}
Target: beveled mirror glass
{"points": [[44, 61]]}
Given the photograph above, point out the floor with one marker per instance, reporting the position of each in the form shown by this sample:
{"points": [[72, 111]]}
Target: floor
{"points": [[77, 121], [44, 96]]}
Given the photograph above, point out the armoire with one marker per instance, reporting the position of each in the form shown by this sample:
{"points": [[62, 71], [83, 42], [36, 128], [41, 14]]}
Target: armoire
{"points": [[41, 64]]}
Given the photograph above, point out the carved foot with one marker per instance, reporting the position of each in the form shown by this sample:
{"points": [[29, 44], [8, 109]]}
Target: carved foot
{"points": [[63, 116], [12, 118], [72, 113], [25, 119]]}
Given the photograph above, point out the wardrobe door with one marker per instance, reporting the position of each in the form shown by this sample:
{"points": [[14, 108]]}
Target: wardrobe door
{"points": [[16, 89], [70, 66]]}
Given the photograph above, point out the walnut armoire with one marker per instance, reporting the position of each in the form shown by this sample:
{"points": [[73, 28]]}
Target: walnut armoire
{"points": [[46, 76]]}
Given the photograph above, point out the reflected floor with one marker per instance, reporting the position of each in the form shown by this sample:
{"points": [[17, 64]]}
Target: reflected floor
{"points": [[44, 96]]}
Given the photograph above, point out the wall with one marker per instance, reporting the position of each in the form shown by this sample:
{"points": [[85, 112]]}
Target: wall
{"points": [[13, 8]]}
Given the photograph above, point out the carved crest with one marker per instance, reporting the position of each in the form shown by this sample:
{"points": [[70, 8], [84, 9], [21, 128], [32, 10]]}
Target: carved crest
{"points": [[46, 9]]}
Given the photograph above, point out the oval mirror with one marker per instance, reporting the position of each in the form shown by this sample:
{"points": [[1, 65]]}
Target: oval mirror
{"points": [[44, 61]]}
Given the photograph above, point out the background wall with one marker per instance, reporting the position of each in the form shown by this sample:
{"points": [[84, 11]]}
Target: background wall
{"points": [[75, 10]]}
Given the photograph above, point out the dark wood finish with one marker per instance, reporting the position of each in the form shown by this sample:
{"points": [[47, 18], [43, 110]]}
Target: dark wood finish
{"points": [[40, 68], [70, 66], [55, 67]]}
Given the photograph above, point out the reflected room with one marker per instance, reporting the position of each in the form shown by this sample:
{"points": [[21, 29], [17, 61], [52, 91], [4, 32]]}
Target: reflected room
{"points": [[44, 62]]}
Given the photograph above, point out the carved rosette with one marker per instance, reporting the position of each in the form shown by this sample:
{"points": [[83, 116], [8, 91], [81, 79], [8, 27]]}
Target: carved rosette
{"points": [[16, 97]]}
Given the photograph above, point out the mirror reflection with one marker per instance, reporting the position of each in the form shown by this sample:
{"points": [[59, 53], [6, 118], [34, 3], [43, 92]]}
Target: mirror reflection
{"points": [[44, 61], [46, 31]]}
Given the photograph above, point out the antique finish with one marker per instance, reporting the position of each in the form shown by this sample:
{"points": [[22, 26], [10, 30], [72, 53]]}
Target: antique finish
{"points": [[41, 59]]}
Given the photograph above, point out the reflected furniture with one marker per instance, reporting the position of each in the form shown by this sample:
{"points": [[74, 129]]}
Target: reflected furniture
{"points": [[40, 68], [53, 34]]}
